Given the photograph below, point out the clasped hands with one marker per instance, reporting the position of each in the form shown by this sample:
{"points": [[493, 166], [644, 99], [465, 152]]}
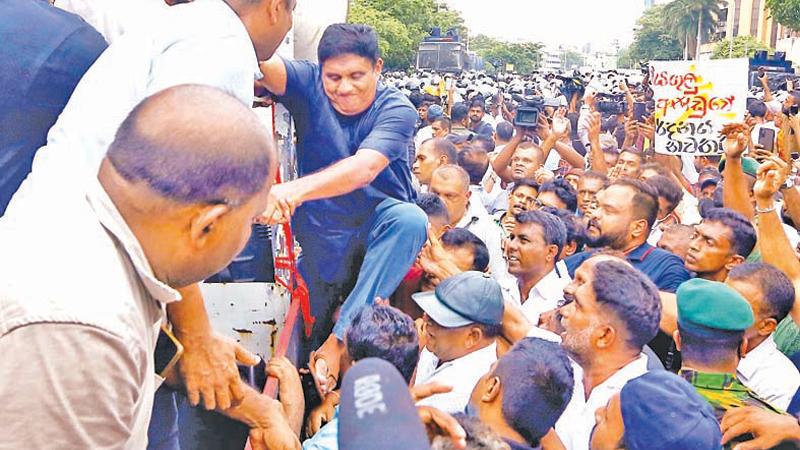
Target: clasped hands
{"points": [[282, 203]]}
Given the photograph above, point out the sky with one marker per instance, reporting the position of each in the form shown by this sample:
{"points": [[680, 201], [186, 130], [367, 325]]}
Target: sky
{"points": [[553, 22]]}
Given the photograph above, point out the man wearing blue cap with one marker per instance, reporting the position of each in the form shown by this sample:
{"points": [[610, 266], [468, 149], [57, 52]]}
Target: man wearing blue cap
{"points": [[461, 322], [712, 320], [656, 411]]}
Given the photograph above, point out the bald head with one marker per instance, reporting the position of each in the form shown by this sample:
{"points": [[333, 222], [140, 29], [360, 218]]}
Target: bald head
{"points": [[194, 144], [189, 171], [453, 173]]}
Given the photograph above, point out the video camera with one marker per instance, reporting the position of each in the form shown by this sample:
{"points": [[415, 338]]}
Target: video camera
{"points": [[611, 104], [530, 106], [571, 85]]}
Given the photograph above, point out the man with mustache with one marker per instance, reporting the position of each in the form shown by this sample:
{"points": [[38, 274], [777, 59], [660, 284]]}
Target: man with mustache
{"points": [[605, 333], [625, 213], [722, 241]]}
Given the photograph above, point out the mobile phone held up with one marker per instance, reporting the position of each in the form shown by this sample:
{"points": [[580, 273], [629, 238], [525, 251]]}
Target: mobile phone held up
{"points": [[639, 111], [766, 139]]}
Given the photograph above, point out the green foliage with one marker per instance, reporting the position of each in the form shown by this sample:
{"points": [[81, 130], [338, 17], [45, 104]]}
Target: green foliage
{"points": [[653, 39], [624, 60], [402, 24], [740, 45], [573, 59], [681, 18], [786, 12], [525, 56]]}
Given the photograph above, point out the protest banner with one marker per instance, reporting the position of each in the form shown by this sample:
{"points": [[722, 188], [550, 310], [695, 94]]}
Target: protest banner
{"points": [[694, 100]]}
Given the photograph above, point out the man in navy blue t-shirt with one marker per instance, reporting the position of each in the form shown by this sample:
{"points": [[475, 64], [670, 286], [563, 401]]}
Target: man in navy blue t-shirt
{"points": [[355, 216], [626, 211]]}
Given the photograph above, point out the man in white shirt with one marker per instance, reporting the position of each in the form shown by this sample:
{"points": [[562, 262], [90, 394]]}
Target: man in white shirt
{"points": [[613, 311], [763, 368], [208, 42], [532, 251], [78, 349], [460, 326], [432, 154], [451, 184]]}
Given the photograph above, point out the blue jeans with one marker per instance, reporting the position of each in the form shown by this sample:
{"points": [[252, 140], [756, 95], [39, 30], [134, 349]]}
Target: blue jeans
{"points": [[377, 254]]}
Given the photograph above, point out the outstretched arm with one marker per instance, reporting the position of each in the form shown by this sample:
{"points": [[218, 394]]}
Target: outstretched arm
{"points": [[734, 182], [772, 240]]}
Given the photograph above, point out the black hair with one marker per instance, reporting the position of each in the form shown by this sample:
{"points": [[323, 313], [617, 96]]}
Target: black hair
{"points": [[525, 182], [444, 121], [534, 372], [477, 103], [742, 236], [504, 130], [484, 142], [459, 112], [462, 238], [668, 189], [776, 288], [709, 349], [644, 204], [576, 232], [348, 39], [433, 206], [757, 108], [631, 296], [597, 176], [469, 158], [553, 230], [478, 436], [384, 332], [444, 147], [416, 99], [563, 190]]}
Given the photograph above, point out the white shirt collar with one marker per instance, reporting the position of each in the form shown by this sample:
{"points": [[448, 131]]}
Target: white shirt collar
{"points": [[756, 358], [475, 212], [108, 216]]}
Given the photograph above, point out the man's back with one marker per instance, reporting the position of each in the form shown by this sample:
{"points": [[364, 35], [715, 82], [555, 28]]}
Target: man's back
{"points": [[202, 42], [45, 53], [724, 392]]}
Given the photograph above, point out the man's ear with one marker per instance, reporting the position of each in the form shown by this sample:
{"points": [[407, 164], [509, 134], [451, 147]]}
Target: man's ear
{"points": [[734, 261], [676, 336], [767, 326], [493, 390], [204, 223], [605, 336], [379, 66], [639, 227], [552, 253]]}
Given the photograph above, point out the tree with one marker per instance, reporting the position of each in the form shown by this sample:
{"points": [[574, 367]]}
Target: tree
{"points": [[624, 60], [402, 24], [786, 12], [525, 56], [396, 42], [653, 39], [692, 18], [573, 59], [743, 46]]}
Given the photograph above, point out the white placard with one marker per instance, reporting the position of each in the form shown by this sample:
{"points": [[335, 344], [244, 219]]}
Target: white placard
{"points": [[694, 100]]}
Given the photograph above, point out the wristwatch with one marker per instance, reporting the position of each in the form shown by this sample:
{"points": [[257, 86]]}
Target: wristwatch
{"points": [[789, 182]]}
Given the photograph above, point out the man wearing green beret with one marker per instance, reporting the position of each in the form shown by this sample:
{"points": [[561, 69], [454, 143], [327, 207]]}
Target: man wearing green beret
{"points": [[712, 320]]}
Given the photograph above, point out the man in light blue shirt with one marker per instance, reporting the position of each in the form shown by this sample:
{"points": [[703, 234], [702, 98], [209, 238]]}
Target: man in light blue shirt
{"points": [[375, 332]]}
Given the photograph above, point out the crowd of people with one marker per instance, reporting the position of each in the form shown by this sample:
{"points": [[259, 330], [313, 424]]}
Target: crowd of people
{"points": [[494, 261]]}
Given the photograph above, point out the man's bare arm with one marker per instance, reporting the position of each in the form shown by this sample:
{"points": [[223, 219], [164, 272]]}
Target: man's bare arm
{"points": [[772, 240], [274, 71]]}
